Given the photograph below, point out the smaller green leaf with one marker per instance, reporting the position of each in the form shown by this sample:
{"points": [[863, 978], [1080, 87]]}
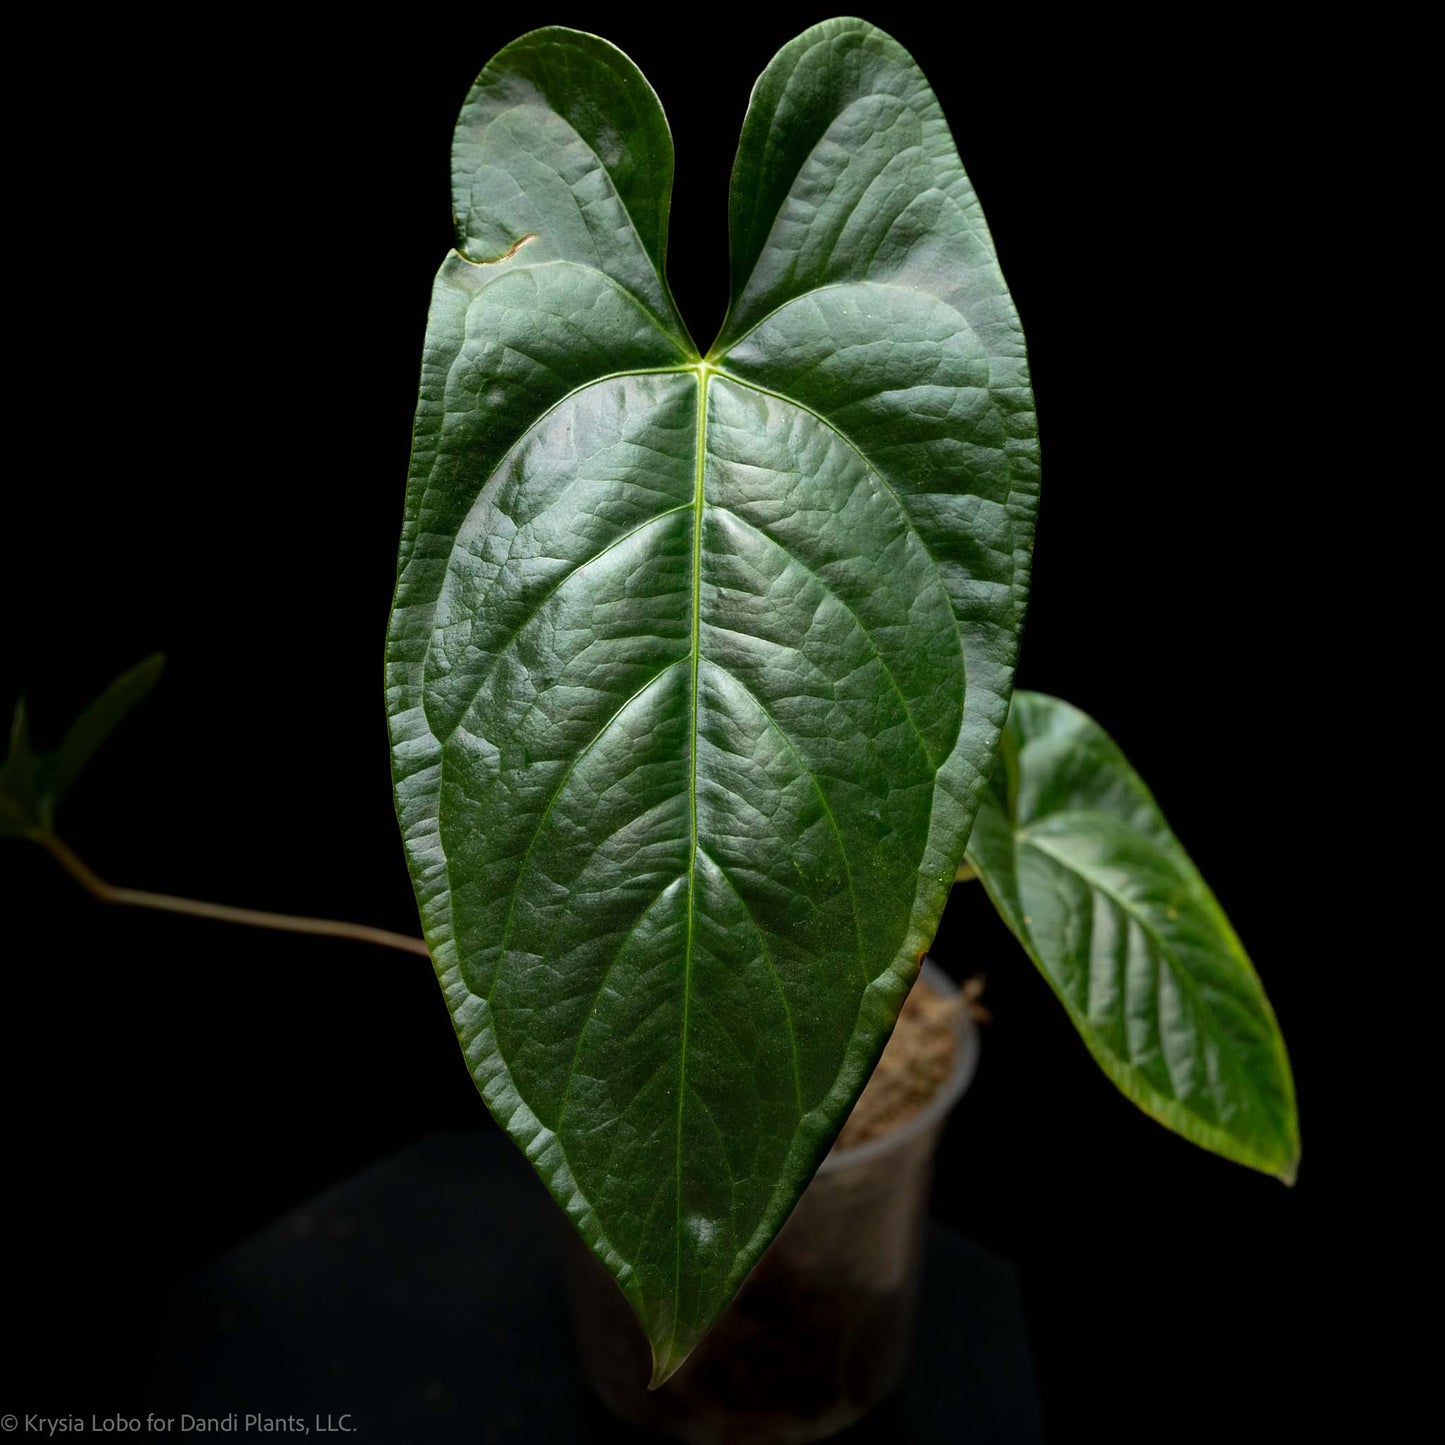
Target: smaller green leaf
{"points": [[1078, 859], [19, 780], [86, 734]]}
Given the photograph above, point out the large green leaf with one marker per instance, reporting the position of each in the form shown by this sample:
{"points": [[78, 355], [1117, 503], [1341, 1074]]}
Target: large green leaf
{"points": [[1078, 859], [697, 665]]}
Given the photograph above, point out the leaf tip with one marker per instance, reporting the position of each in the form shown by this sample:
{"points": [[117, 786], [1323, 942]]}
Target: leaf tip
{"points": [[19, 728], [145, 674], [1288, 1172], [670, 1353], [665, 1364]]}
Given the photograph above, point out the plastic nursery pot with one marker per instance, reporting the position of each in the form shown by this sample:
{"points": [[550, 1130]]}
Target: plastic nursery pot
{"points": [[822, 1330]]}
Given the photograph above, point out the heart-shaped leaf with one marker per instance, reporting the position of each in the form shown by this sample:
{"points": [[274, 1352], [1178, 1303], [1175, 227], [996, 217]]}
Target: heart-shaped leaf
{"points": [[1079, 861], [697, 664]]}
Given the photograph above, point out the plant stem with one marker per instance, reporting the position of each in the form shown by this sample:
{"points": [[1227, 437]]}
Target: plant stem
{"points": [[98, 888]]}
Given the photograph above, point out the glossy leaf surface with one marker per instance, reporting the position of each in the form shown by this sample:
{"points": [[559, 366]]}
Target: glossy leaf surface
{"points": [[697, 664], [1081, 864]]}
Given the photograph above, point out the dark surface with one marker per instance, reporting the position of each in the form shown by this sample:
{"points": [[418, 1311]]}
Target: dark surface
{"points": [[422, 1299]]}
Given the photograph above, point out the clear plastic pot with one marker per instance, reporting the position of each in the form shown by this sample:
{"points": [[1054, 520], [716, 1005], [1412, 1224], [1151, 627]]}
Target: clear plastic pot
{"points": [[822, 1330]]}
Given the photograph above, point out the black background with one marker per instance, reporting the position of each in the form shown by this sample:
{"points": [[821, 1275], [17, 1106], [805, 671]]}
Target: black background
{"points": [[224, 263]]}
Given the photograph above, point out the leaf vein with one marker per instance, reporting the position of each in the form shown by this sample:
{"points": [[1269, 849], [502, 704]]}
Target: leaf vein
{"points": [[547, 813], [597, 996], [863, 627], [1175, 965], [817, 787], [887, 485], [777, 976], [506, 644]]}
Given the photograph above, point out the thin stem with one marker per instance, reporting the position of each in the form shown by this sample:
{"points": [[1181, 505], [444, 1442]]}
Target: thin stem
{"points": [[98, 888]]}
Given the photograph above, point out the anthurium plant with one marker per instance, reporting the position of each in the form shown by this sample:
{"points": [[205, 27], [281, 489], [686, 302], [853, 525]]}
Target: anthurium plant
{"points": [[700, 665]]}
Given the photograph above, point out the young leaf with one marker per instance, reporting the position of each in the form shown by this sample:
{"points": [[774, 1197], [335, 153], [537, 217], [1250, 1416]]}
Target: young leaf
{"points": [[31, 783], [697, 664], [85, 735], [1079, 861]]}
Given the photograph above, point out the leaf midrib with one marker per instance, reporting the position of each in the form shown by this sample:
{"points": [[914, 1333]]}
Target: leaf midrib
{"points": [[704, 380]]}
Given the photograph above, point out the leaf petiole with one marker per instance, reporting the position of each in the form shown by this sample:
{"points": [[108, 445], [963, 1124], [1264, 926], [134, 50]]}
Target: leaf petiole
{"points": [[105, 892]]}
